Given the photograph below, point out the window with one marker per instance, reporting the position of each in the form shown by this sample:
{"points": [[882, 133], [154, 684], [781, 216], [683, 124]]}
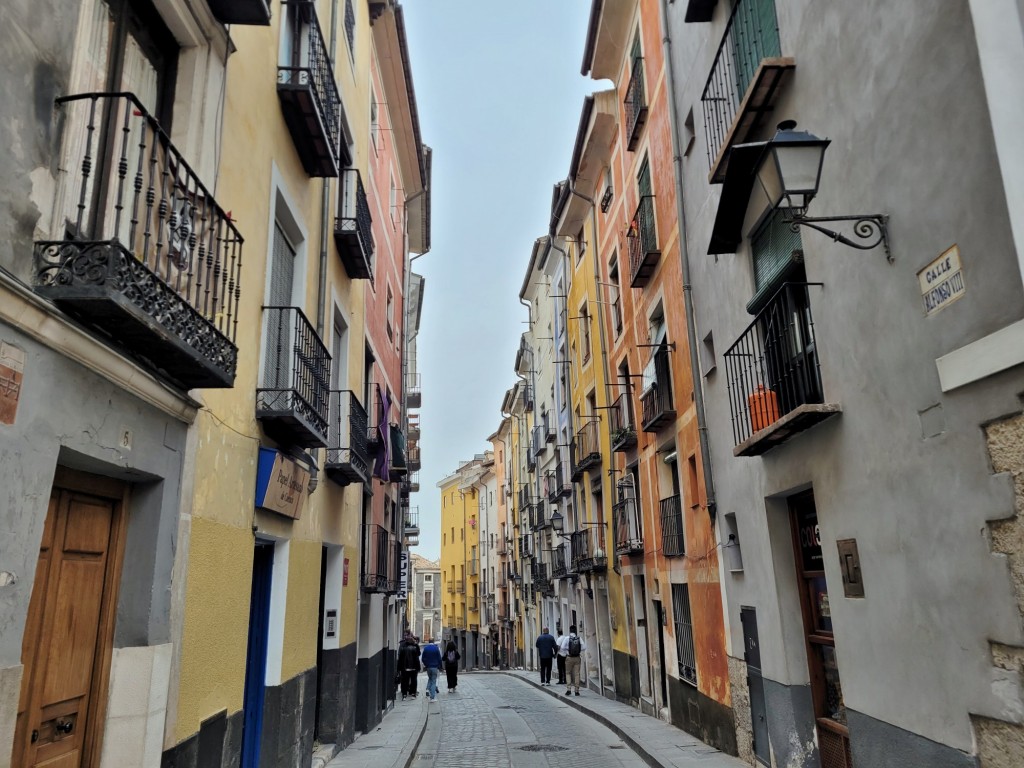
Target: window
{"points": [[393, 201], [615, 298], [350, 27], [391, 314], [428, 598], [428, 578], [685, 653], [581, 247], [277, 362], [585, 322], [374, 123], [428, 628]]}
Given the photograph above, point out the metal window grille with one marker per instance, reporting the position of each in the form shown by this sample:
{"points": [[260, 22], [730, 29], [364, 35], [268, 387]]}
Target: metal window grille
{"points": [[350, 24], [685, 653]]}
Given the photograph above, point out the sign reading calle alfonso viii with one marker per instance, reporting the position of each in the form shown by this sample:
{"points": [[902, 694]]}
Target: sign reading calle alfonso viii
{"points": [[281, 483], [942, 281]]}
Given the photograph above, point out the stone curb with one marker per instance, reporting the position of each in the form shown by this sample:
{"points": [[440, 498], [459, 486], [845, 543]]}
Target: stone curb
{"points": [[644, 755], [416, 742]]}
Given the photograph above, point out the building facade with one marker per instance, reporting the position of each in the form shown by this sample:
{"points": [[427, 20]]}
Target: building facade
{"points": [[424, 603]]}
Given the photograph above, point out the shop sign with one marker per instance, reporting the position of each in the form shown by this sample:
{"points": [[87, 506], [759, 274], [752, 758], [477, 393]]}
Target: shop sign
{"points": [[12, 368], [942, 281], [403, 588], [810, 540], [344, 574], [281, 483]]}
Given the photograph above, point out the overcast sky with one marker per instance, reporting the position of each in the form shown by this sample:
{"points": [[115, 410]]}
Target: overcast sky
{"points": [[499, 93]]}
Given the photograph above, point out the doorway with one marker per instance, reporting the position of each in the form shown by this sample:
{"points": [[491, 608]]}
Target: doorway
{"points": [[659, 615], [69, 631], [755, 684], [256, 653], [823, 665]]}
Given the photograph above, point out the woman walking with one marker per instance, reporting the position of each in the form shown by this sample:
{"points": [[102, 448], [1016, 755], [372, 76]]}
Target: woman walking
{"points": [[451, 665]]}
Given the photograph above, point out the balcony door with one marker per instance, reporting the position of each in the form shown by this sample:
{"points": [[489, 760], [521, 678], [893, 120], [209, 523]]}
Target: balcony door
{"points": [[277, 353]]}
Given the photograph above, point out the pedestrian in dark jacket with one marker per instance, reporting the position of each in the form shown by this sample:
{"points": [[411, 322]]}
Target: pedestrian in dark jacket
{"points": [[451, 665], [546, 650], [409, 665]]}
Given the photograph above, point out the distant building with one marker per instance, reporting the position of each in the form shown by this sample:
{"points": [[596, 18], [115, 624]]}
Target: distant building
{"points": [[424, 602]]}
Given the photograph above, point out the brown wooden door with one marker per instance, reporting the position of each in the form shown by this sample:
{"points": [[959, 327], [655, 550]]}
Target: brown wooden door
{"points": [[69, 632]]}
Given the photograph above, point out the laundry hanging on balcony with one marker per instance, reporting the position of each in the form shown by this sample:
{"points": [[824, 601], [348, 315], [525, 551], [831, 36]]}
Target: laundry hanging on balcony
{"points": [[398, 462], [382, 460], [650, 375]]}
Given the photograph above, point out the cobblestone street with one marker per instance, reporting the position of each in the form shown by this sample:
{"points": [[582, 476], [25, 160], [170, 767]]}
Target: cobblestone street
{"points": [[497, 720]]}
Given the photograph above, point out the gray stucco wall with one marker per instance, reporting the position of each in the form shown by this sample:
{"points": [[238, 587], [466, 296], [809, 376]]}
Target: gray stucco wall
{"points": [[897, 89]]}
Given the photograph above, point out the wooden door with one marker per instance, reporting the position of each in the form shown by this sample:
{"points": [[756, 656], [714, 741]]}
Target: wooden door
{"points": [[69, 631]]}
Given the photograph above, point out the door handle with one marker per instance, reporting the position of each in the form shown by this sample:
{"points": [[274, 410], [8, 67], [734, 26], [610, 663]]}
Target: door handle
{"points": [[65, 726], [35, 735]]}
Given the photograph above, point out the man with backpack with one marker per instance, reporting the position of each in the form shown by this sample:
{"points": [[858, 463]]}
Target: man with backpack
{"points": [[573, 646]]}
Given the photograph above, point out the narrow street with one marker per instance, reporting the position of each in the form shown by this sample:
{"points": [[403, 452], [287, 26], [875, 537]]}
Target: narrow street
{"points": [[505, 721]]}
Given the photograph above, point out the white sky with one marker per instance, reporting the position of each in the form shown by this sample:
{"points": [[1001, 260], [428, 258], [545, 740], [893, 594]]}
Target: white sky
{"points": [[499, 94]]}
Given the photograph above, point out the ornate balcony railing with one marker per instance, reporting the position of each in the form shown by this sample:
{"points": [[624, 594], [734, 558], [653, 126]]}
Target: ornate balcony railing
{"points": [[656, 401], [293, 401], [673, 539], [773, 374], [628, 535], [309, 96], [378, 559], [642, 240], [146, 255], [623, 426], [560, 562], [411, 516], [586, 448], [744, 81], [588, 552], [353, 227], [636, 104], [348, 455]]}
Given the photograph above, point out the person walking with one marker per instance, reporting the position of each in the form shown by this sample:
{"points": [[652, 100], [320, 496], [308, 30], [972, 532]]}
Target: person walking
{"points": [[560, 658], [574, 646], [409, 665], [451, 665], [546, 650], [431, 658]]}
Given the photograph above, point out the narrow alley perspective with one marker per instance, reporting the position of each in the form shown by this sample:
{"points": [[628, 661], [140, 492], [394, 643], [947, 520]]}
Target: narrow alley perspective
{"points": [[646, 375]]}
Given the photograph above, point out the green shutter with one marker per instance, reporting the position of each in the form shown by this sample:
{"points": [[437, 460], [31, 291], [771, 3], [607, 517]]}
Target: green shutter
{"points": [[776, 249]]}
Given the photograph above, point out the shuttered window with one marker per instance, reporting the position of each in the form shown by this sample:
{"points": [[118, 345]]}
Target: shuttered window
{"points": [[277, 370], [776, 249], [685, 652]]}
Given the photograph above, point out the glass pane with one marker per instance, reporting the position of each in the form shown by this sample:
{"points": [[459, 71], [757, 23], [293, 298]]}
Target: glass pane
{"points": [[820, 605], [835, 709]]}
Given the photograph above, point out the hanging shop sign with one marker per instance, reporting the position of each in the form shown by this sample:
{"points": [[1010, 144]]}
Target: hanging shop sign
{"points": [[403, 587], [942, 281], [281, 483], [810, 540]]}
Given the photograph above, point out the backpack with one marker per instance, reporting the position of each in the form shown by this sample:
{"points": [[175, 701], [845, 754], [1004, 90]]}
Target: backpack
{"points": [[451, 656], [574, 645]]}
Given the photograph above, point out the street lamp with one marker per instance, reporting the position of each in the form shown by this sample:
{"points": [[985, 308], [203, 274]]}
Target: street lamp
{"points": [[789, 172]]}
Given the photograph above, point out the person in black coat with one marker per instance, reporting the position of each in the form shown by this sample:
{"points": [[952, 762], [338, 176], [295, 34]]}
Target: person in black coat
{"points": [[451, 665], [409, 665]]}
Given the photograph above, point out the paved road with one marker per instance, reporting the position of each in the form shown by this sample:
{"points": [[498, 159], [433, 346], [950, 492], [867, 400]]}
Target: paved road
{"points": [[499, 721]]}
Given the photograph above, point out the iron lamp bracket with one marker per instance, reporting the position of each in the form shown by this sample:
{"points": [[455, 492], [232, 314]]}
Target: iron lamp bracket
{"points": [[871, 229]]}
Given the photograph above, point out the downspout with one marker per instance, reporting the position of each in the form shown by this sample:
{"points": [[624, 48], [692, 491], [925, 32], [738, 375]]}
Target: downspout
{"points": [[529, 438], [684, 259], [325, 200]]}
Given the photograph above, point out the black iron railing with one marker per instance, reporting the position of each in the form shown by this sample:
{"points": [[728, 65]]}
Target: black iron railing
{"points": [[378, 564], [141, 230], [586, 448], [751, 35], [673, 538], [538, 514], [656, 401], [560, 562], [296, 376], [642, 240], [524, 498], [773, 368], [588, 551], [411, 516], [310, 68], [353, 228], [413, 389], [635, 104], [628, 535], [348, 452], [538, 440], [623, 427]]}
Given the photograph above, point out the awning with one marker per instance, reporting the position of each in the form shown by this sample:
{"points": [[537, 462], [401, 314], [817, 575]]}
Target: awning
{"points": [[732, 206]]}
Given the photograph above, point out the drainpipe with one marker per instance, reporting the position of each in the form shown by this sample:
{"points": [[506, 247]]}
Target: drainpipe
{"points": [[684, 259], [325, 200]]}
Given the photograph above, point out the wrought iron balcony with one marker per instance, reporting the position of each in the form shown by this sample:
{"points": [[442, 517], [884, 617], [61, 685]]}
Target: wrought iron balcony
{"points": [[353, 227], [656, 401], [560, 562], [588, 552], [642, 239], [537, 515], [411, 517], [526, 545], [413, 390], [146, 256], [586, 449], [538, 441], [636, 104], [413, 456], [256, 12], [773, 374], [524, 498], [744, 82], [308, 94], [348, 455], [550, 433], [473, 603], [673, 539], [413, 482], [451, 587], [293, 401], [378, 559], [524, 357], [623, 426], [629, 538], [473, 567], [414, 426], [460, 586]]}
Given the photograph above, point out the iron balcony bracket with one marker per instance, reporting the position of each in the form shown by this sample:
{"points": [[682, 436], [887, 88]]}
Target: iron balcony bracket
{"points": [[871, 227]]}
